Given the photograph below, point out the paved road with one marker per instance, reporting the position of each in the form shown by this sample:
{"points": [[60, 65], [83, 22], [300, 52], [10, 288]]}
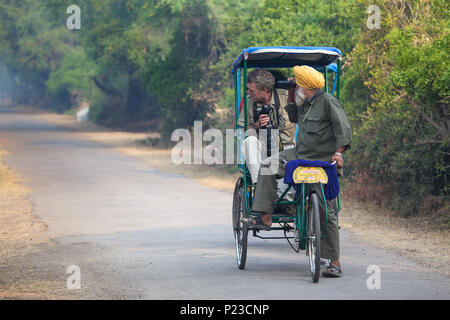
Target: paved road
{"points": [[139, 233]]}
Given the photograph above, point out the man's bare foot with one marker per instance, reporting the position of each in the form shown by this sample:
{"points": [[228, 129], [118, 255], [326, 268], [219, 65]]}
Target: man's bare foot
{"points": [[333, 270], [264, 221], [267, 219], [335, 263]]}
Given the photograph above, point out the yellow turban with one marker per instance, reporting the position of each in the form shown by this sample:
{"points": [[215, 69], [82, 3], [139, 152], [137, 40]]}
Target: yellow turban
{"points": [[308, 78]]}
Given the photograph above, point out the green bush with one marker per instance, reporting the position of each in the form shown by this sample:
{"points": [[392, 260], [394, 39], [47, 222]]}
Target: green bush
{"points": [[399, 117]]}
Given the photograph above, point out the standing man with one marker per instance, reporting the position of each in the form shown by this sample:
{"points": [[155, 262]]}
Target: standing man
{"points": [[324, 134]]}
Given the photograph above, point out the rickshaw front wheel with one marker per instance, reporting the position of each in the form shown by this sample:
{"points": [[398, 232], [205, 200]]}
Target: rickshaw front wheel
{"points": [[313, 237], [240, 229]]}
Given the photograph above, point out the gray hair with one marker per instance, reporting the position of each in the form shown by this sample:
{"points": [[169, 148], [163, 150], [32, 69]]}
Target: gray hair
{"points": [[262, 78]]}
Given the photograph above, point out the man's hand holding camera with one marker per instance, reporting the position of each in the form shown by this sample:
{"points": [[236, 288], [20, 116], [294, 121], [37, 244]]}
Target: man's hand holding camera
{"points": [[263, 120], [291, 91]]}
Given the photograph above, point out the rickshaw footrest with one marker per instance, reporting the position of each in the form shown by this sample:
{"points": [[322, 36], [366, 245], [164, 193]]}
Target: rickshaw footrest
{"points": [[286, 220]]}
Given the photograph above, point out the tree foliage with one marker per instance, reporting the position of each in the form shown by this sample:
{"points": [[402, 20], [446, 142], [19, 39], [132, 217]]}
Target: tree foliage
{"points": [[396, 91], [167, 62]]}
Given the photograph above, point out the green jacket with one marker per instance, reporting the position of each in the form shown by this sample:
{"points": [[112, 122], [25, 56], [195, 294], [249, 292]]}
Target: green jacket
{"points": [[323, 127]]}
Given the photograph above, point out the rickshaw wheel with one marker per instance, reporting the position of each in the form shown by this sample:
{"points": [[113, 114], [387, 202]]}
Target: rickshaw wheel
{"points": [[240, 230], [313, 237]]}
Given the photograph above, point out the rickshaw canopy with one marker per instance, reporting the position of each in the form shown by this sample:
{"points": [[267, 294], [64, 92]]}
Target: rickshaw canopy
{"points": [[286, 57]]}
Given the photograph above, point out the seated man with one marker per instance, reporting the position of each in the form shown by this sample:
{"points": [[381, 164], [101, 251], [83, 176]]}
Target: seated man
{"points": [[261, 92], [324, 134]]}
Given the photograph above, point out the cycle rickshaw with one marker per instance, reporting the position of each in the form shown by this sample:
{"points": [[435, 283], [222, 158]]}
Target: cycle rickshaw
{"points": [[303, 226]]}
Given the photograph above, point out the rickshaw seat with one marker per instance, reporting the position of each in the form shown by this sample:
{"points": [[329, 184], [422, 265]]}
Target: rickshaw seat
{"points": [[306, 171]]}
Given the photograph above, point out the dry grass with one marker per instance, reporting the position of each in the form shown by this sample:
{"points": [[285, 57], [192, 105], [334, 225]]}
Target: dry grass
{"points": [[18, 227], [20, 231], [33, 290], [415, 238]]}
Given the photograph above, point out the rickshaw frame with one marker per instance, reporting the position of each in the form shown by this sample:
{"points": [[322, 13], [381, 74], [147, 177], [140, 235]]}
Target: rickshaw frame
{"points": [[282, 57]]}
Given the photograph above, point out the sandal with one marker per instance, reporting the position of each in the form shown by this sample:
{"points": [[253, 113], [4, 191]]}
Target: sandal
{"points": [[332, 271], [256, 223]]}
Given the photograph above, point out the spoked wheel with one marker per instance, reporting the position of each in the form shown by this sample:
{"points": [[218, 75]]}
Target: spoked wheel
{"points": [[240, 229], [313, 237]]}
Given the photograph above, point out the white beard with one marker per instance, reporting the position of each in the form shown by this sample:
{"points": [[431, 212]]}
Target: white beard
{"points": [[299, 97]]}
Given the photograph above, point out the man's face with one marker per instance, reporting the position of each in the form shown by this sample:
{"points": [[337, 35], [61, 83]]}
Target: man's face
{"points": [[255, 94]]}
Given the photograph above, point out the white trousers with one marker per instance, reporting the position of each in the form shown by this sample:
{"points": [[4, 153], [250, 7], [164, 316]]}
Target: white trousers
{"points": [[252, 149]]}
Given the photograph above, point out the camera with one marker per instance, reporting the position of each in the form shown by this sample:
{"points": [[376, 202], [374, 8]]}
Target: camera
{"points": [[285, 84], [265, 109]]}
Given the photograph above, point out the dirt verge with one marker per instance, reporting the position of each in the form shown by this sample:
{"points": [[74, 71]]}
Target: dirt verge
{"points": [[20, 234], [18, 227], [415, 238]]}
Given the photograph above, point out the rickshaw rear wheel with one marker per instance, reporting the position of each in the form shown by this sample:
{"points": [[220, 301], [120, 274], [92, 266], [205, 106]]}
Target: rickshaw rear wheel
{"points": [[313, 237], [240, 229]]}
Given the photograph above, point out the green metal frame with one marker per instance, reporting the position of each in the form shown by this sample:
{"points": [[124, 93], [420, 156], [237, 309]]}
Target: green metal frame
{"points": [[301, 206]]}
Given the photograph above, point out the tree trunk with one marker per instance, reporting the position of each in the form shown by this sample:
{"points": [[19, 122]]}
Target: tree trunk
{"points": [[134, 96]]}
